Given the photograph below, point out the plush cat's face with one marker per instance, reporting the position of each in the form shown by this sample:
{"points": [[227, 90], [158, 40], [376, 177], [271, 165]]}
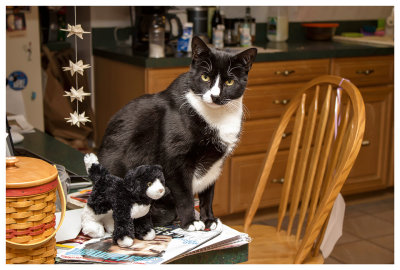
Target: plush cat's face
{"points": [[218, 77]]}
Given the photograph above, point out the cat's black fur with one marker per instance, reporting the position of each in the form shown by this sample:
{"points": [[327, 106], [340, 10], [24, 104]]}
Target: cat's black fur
{"points": [[164, 129]]}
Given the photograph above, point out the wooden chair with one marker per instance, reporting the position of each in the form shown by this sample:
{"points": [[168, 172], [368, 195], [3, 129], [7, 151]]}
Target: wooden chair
{"points": [[321, 155]]}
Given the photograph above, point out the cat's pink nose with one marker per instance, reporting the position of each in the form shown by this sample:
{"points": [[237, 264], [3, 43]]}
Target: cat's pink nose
{"points": [[161, 190]]}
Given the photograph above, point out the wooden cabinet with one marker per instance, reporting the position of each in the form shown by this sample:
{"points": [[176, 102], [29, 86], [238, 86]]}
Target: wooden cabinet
{"points": [[271, 86], [370, 171], [373, 75]]}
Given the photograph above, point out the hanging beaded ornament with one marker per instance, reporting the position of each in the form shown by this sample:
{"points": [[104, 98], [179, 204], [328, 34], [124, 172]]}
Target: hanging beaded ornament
{"points": [[78, 67]]}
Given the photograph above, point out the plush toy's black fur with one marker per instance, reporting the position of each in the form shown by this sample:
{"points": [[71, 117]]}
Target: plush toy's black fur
{"points": [[164, 129], [119, 194]]}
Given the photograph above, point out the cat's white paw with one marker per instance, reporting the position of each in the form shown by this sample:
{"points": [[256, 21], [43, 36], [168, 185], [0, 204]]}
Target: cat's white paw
{"points": [[216, 225], [196, 226], [125, 242], [89, 160], [150, 235], [93, 229]]}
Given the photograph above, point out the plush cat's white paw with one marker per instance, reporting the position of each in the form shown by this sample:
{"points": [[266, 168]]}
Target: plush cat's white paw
{"points": [[93, 229], [89, 160], [196, 226], [125, 242], [150, 235], [216, 225]]}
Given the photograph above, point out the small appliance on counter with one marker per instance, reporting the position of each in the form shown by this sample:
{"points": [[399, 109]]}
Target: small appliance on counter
{"points": [[199, 17], [145, 16]]}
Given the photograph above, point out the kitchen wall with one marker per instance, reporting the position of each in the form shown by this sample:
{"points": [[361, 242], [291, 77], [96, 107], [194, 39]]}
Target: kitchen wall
{"points": [[118, 16]]}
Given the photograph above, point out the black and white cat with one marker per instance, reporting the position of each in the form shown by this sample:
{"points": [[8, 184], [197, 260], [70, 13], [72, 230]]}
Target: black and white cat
{"points": [[189, 129]]}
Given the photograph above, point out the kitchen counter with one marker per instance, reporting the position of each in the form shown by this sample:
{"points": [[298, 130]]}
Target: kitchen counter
{"points": [[279, 51]]}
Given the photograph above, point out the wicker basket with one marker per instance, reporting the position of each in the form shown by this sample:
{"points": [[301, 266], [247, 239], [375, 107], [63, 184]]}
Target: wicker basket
{"points": [[30, 210]]}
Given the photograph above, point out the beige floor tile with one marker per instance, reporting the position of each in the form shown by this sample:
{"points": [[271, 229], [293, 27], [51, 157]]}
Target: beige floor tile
{"points": [[347, 238], [362, 252], [331, 260], [384, 241], [376, 207], [352, 211], [387, 215], [368, 226]]}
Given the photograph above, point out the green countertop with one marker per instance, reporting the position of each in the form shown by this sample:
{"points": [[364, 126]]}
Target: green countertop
{"points": [[300, 50]]}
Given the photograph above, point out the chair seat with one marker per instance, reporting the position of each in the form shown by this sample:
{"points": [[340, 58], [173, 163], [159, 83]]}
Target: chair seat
{"points": [[271, 247]]}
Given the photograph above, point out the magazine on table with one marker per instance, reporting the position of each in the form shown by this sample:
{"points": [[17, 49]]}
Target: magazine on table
{"points": [[170, 242]]}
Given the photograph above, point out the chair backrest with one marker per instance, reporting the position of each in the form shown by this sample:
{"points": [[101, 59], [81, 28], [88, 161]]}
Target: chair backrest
{"points": [[329, 123]]}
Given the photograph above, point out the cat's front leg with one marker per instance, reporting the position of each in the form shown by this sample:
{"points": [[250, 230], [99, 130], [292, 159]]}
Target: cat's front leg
{"points": [[206, 213], [144, 228], [184, 204]]}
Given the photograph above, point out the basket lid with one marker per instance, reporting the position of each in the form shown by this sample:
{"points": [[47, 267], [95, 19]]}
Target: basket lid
{"points": [[23, 172]]}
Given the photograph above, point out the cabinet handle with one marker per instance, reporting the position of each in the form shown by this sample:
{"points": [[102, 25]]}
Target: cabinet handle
{"points": [[285, 72], [285, 135], [365, 72], [283, 101], [365, 143], [278, 181]]}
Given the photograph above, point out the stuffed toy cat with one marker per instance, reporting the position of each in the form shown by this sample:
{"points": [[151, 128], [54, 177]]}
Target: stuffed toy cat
{"points": [[127, 199]]}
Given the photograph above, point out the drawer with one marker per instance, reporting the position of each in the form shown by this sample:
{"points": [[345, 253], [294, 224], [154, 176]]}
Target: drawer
{"points": [[370, 171], [257, 135], [245, 171], [287, 71], [158, 79], [365, 70], [269, 101]]}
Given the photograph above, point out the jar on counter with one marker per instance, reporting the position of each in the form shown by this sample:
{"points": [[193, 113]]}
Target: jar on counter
{"points": [[277, 24], [218, 36], [157, 37]]}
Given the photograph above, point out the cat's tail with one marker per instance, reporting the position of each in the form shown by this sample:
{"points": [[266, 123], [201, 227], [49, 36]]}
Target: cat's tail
{"points": [[89, 160], [97, 173]]}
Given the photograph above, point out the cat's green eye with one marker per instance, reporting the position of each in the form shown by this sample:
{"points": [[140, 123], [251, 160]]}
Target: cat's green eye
{"points": [[205, 78], [229, 83], [149, 184]]}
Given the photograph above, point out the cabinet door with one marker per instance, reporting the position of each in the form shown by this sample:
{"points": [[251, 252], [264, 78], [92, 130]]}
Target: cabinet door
{"points": [[245, 172], [287, 71], [267, 101], [371, 169], [257, 135], [363, 71], [158, 79]]}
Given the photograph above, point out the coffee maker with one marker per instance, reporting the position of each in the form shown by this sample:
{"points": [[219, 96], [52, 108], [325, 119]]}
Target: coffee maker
{"points": [[144, 16]]}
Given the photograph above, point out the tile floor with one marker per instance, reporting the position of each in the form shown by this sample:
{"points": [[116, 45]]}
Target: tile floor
{"points": [[368, 236], [368, 231]]}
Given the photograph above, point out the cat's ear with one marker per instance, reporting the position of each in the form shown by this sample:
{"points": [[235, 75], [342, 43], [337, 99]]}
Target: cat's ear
{"points": [[199, 48], [246, 58]]}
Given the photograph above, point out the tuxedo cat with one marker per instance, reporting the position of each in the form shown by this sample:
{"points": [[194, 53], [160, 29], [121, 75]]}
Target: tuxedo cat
{"points": [[189, 129]]}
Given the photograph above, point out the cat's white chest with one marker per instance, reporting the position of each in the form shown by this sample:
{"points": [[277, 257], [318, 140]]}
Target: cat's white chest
{"points": [[227, 122], [139, 210]]}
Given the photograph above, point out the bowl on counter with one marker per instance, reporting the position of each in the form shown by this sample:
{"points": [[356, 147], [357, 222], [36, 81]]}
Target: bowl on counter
{"points": [[320, 31]]}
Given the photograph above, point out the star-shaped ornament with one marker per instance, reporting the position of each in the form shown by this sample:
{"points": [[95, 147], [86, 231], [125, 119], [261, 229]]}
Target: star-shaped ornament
{"points": [[76, 94], [77, 119], [75, 30], [76, 67]]}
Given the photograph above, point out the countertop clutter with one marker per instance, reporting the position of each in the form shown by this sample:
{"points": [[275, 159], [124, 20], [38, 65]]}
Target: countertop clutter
{"points": [[270, 51]]}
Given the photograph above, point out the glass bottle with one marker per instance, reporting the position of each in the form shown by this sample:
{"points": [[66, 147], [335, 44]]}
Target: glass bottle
{"points": [[245, 30], [157, 37], [216, 20], [277, 24]]}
